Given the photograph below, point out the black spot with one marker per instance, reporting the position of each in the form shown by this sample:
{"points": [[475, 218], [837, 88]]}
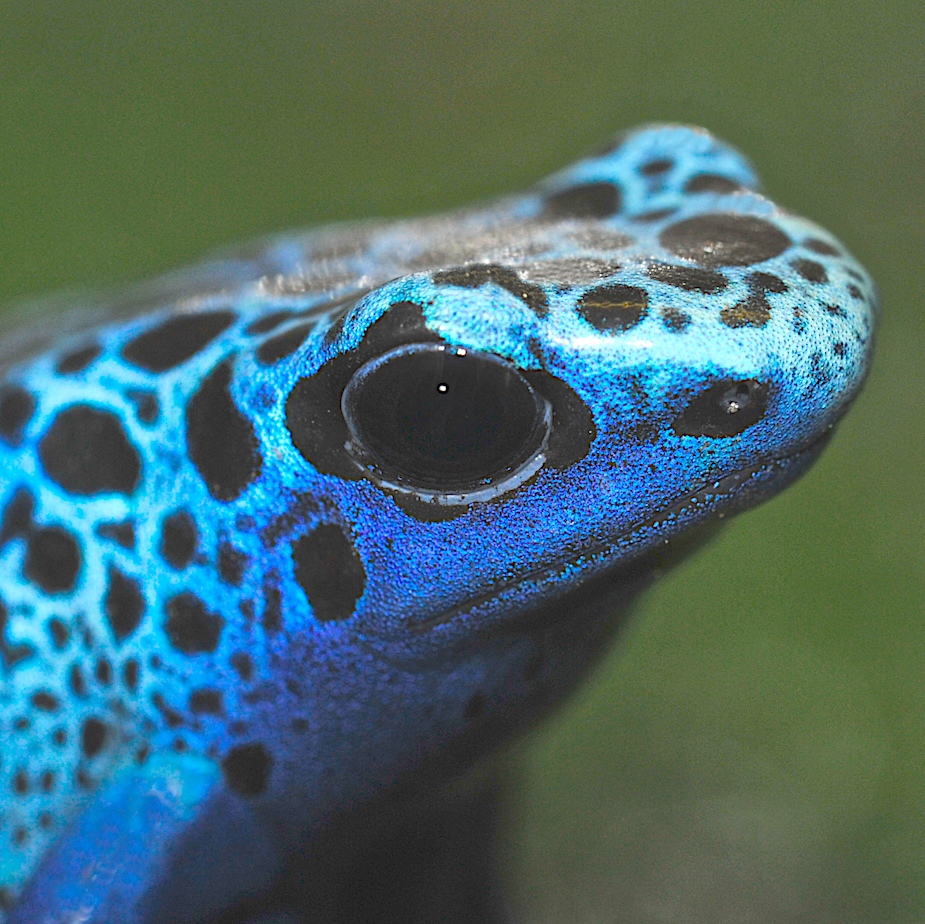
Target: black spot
{"points": [[52, 559], [753, 312], [59, 737], [573, 430], [724, 239], [472, 277], [46, 701], [171, 717], [124, 604], [103, 672], [855, 292], [765, 282], [87, 451], [231, 564], [190, 627], [60, 633], [130, 672], [268, 322], [675, 319], [121, 533], [220, 439], [92, 737], [244, 665], [16, 409], [656, 167], [614, 307], [175, 340], [689, 278], [76, 680], [712, 182], [810, 270], [587, 200], [654, 215], [17, 516], [20, 782], [272, 609], [840, 348], [206, 701], [284, 344], [247, 769], [77, 360], [147, 407], [47, 781], [821, 247], [330, 572], [178, 539], [726, 408]]}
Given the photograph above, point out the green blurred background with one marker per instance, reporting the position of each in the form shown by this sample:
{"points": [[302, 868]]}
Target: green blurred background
{"points": [[753, 750]]}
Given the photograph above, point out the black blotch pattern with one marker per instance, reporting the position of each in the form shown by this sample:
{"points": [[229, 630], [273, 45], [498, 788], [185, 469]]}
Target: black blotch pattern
{"points": [[45, 701], [675, 319], [765, 282], [121, 533], [654, 215], [17, 515], [76, 681], [587, 200], [60, 633], [712, 182], [124, 604], [220, 439], [87, 451], [247, 768], [840, 348], [92, 737], [206, 701], [190, 627], [855, 292], [753, 312], [172, 718], [476, 275], [726, 408], [689, 278], [178, 539], [284, 344], [330, 572], [614, 307], [272, 618], [724, 239], [810, 270], [269, 322], [52, 559], [573, 430], [77, 360], [231, 564], [130, 672], [175, 340], [20, 782], [103, 672], [16, 409], [147, 406], [823, 248], [656, 167], [243, 664]]}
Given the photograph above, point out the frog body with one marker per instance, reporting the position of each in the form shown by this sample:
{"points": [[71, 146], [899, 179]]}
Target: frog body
{"points": [[257, 575]]}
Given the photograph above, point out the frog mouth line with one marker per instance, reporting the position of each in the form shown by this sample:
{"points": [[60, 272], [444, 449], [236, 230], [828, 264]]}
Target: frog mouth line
{"points": [[720, 497]]}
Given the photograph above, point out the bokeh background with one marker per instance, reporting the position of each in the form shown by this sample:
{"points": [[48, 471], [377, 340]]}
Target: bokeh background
{"points": [[754, 749]]}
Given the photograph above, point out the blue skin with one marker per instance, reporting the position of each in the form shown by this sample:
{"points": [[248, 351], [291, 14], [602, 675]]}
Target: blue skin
{"points": [[294, 634]]}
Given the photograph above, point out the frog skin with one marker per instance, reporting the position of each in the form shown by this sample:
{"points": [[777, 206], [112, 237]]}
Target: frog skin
{"points": [[292, 541]]}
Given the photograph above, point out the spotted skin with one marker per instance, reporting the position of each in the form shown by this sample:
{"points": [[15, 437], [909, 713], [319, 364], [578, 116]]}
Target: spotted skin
{"points": [[205, 594]]}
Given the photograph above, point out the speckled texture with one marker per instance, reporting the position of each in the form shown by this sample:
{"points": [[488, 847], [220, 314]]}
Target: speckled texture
{"points": [[200, 580]]}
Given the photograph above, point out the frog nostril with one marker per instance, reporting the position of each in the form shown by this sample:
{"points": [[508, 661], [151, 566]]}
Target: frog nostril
{"points": [[726, 408]]}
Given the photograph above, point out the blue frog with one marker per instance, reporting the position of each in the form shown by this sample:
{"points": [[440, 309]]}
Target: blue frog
{"points": [[290, 542]]}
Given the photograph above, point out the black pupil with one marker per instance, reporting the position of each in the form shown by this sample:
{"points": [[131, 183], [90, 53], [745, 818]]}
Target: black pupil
{"points": [[442, 418]]}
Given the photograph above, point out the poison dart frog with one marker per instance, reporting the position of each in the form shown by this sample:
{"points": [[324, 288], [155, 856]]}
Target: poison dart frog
{"points": [[292, 541]]}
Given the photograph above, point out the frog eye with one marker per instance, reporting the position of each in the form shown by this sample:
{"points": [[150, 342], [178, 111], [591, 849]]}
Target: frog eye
{"points": [[433, 419], [724, 409]]}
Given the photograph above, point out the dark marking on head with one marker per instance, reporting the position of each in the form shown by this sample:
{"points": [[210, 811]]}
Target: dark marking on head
{"points": [[60, 633], [147, 407], [87, 451], [726, 408], [284, 344], [52, 559], [16, 409], [810, 270], [765, 282], [121, 533], [45, 701], [206, 701], [175, 340], [124, 604], [190, 627], [247, 768], [586, 200], [269, 322], [243, 664], [330, 572], [823, 248], [724, 239], [231, 564], [675, 319], [130, 671], [712, 182], [656, 167], [77, 360], [753, 312], [855, 292], [178, 539], [92, 736], [220, 439], [840, 348], [573, 430], [613, 307], [689, 278], [477, 275]]}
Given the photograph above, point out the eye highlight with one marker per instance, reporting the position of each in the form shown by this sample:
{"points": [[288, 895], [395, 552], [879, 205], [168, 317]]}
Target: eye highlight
{"points": [[445, 423], [726, 408]]}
